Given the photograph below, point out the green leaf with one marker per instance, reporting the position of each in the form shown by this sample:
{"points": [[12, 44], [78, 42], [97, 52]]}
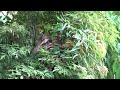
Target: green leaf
{"points": [[21, 77], [2, 57]]}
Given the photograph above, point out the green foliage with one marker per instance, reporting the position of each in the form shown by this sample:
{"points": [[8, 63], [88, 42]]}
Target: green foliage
{"points": [[116, 17], [116, 69], [26, 72], [6, 17], [114, 53], [13, 33], [13, 45], [89, 27], [88, 36]]}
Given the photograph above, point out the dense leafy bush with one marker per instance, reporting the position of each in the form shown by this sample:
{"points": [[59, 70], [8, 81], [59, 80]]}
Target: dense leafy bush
{"points": [[87, 48], [113, 56]]}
